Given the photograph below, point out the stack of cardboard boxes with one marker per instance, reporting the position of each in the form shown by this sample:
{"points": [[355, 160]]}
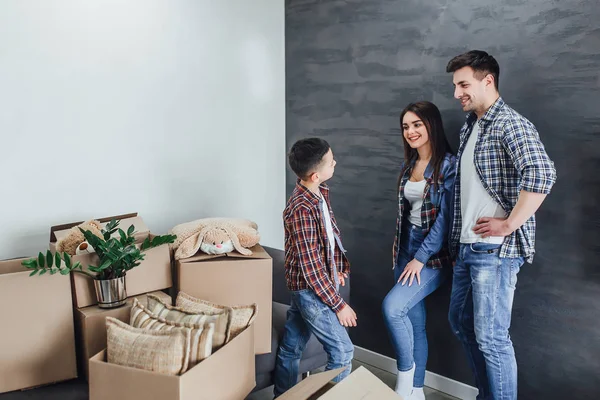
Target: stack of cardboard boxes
{"points": [[152, 275], [54, 322], [51, 321]]}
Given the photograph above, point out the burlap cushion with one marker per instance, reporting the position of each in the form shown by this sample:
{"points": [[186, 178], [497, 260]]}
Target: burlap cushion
{"points": [[242, 315], [165, 352], [201, 334], [222, 319]]}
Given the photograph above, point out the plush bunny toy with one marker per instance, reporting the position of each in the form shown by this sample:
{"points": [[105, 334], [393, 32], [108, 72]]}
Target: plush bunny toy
{"points": [[215, 236]]}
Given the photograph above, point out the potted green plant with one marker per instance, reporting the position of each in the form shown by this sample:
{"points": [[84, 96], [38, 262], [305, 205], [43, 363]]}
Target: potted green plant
{"points": [[117, 255]]}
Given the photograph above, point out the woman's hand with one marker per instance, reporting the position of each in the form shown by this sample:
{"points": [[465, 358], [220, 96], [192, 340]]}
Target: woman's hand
{"points": [[411, 270]]}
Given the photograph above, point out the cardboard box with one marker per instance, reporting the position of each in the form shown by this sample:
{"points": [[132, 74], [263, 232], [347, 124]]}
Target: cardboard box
{"points": [[359, 385], [233, 279], [154, 273], [228, 374], [90, 328], [38, 344], [126, 220]]}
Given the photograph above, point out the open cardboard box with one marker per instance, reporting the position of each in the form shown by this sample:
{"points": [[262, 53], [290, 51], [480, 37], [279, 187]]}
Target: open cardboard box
{"points": [[359, 385], [38, 344], [154, 273], [228, 374], [90, 328], [59, 231], [233, 279]]}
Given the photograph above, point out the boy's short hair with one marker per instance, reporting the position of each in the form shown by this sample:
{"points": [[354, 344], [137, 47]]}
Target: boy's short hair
{"points": [[481, 62], [306, 155]]}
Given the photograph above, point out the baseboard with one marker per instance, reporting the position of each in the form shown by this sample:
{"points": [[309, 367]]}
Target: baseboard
{"points": [[432, 380]]}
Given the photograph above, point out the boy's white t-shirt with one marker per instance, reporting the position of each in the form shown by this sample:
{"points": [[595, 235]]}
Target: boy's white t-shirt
{"points": [[330, 237]]}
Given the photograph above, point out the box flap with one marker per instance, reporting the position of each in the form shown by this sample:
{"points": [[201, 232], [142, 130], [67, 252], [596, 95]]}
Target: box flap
{"points": [[311, 385], [100, 356], [360, 385], [12, 266], [257, 253], [59, 231]]}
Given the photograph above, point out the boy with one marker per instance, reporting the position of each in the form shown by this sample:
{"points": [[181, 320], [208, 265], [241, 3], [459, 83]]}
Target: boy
{"points": [[315, 266]]}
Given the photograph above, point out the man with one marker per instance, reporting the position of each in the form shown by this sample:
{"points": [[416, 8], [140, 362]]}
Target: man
{"points": [[503, 176]]}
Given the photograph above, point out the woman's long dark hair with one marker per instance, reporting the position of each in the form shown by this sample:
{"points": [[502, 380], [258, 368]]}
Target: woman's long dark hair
{"points": [[431, 117]]}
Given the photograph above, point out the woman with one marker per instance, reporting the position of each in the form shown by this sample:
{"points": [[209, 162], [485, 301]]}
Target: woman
{"points": [[421, 258]]}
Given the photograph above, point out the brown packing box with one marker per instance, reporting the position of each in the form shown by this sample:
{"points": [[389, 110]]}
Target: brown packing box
{"points": [[233, 279], [359, 385], [126, 220], [228, 374], [38, 344], [90, 328], [154, 273]]}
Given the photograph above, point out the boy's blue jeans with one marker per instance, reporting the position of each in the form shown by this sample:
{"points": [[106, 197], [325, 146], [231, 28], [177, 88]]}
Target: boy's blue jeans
{"points": [[309, 315], [483, 289]]}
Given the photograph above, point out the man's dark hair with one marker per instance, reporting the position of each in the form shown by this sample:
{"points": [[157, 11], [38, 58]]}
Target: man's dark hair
{"points": [[481, 62], [306, 154]]}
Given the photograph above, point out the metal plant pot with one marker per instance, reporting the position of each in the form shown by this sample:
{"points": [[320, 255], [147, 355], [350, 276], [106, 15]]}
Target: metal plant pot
{"points": [[111, 293]]}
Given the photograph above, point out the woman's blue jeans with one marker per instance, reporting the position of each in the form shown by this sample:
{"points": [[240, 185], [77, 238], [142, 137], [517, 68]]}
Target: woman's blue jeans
{"points": [[404, 307]]}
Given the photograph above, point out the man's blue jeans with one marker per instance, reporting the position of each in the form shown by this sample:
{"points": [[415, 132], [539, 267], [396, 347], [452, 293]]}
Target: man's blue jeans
{"points": [[309, 315], [483, 289]]}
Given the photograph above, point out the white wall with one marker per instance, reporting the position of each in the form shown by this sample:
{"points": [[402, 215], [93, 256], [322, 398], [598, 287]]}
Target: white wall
{"points": [[172, 108]]}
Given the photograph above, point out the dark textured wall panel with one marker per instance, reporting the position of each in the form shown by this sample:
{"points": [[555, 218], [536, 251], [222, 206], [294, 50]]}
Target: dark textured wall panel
{"points": [[351, 67]]}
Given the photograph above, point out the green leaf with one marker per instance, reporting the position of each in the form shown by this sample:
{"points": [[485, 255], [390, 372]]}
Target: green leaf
{"points": [[112, 225], [105, 265], [41, 260], [122, 235], [110, 228], [53, 271], [31, 263], [146, 244], [130, 230], [158, 241], [34, 272], [57, 260], [43, 271], [92, 239], [67, 258], [64, 271], [49, 259]]}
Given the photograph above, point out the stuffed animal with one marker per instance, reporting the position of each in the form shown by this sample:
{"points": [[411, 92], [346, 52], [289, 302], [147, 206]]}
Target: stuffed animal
{"points": [[74, 243], [215, 236]]}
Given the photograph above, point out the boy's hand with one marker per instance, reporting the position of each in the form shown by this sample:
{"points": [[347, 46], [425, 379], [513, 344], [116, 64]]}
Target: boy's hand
{"points": [[347, 316], [342, 279]]}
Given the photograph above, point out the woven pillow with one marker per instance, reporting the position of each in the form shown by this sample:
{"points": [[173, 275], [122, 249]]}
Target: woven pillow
{"points": [[165, 352], [201, 334], [222, 319], [242, 315]]}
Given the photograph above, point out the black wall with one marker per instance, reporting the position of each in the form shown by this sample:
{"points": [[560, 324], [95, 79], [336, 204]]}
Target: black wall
{"points": [[351, 66]]}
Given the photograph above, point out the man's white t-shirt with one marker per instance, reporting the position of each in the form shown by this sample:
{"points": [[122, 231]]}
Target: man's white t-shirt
{"points": [[475, 202]]}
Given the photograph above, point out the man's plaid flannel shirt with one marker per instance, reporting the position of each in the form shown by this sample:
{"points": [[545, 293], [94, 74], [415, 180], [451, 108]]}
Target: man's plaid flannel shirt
{"points": [[308, 260], [509, 157]]}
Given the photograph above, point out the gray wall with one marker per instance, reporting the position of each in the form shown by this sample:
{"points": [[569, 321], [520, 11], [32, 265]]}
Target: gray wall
{"points": [[351, 66]]}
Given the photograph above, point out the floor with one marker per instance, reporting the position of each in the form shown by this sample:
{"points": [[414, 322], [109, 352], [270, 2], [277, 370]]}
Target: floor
{"points": [[386, 377], [78, 390]]}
